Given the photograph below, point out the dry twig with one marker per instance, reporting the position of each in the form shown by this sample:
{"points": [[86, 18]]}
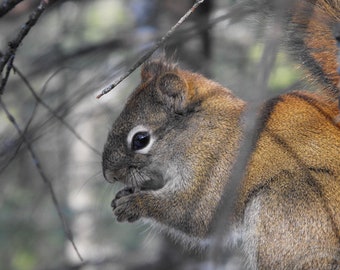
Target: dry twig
{"points": [[148, 54], [38, 101], [42, 174], [15, 43], [7, 6], [251, 126], [60, 118], [6, 61]]}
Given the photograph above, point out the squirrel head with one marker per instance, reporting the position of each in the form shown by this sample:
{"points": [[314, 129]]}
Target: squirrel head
{"points": [[150, 142]]}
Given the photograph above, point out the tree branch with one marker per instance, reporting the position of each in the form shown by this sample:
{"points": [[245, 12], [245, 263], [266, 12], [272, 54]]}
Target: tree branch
{"points": [[42, 174], [148, 54], [60, 118], [337, 38], [251, 119], [8, 5], [15, 43]]}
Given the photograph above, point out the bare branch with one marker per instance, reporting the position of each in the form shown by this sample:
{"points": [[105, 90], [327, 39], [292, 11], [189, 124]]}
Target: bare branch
{"points": [[60, 118], [148, 54], [14, 44], [52, 112], [42, 174], [251, 118], [29, 120], [8, 5], [50, 61], [8, 72], [337, 38]]}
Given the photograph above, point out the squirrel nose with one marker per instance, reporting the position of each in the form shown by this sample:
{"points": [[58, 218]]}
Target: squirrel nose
{"points": [[109, 176], [113, 176]]}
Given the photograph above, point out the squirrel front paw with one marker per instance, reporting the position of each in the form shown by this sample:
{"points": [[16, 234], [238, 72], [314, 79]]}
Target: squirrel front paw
{"points": [[125, 205]]}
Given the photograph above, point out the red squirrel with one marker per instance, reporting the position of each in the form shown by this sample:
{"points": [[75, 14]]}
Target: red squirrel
{"points": [[176, 140]]}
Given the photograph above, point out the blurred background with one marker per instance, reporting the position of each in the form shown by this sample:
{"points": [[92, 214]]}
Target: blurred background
{"points": [[75, 49]]}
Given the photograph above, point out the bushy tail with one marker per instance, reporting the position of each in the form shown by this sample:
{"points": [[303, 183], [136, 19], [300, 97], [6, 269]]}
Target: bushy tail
{"points": [[313, 41]]}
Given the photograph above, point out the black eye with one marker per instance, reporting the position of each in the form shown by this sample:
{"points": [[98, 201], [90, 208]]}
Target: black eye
{"points": [[140, 140]]}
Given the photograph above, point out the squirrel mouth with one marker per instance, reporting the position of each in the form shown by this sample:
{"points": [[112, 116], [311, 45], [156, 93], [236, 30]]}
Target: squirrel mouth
{"points": [[143, 180], [151, 185], [135, 181]]}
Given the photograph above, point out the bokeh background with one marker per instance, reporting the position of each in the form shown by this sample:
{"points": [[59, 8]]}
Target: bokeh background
{"points": [[76, 48]]}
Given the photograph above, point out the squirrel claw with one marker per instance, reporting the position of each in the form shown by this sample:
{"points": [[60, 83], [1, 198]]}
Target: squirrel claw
{"points": [[125, 207], [126, 191]]}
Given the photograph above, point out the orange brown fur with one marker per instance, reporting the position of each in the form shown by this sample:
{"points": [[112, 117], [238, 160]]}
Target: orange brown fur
{"points": [[312, 41], [294, 174]]}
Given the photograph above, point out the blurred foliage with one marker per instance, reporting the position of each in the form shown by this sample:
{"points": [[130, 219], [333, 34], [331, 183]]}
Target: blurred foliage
{"points": [[283, 75]]}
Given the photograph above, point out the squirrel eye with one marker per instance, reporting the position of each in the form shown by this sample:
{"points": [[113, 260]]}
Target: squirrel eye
{"points": [[140, 140]]}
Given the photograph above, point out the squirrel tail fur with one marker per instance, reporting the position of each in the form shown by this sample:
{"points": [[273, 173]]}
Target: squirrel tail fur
{"points": [[314, 39]]}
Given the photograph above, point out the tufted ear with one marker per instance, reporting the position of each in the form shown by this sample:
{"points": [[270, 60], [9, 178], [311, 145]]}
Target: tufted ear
{"points": [[173, 90], [156, 68], [150, 70]]}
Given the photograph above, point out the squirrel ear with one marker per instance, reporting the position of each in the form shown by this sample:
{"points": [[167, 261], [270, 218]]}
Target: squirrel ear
{"points": [[173, 91], [150, 69], [155, 68]]}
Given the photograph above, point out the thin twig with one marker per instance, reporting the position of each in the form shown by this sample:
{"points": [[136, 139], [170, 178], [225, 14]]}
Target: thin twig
{"points": [[15, 43], [8, 72], [235, 13], [53, 113], [251, 116], [42, 174], [29, 120], [61, 119], [48, 60], [37, 102], [337, 38], [8, 5], [148, 54]]}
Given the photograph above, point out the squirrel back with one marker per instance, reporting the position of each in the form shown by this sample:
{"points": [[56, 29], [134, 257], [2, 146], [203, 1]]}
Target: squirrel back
{"points": [[289, 200]]}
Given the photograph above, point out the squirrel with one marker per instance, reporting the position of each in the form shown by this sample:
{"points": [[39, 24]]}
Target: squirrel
{"points": [[176, 141]]}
